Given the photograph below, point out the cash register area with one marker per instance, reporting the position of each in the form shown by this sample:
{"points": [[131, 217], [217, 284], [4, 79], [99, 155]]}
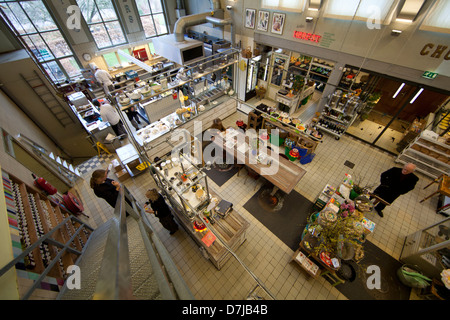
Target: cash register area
{"points": [[264, 254]]}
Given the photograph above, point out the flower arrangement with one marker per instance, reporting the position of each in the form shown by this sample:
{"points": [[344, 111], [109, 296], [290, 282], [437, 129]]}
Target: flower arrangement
{"points": [[347, 209]]}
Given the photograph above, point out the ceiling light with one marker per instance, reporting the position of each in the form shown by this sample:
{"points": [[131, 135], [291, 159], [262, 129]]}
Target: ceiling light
{"points": [[313, 9], [398, 90], [417, 94], [403, 20], [396, 32], [309, 19]]}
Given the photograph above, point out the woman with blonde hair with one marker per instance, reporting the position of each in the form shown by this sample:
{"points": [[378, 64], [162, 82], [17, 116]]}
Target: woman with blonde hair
{"points": [[161, 210]]}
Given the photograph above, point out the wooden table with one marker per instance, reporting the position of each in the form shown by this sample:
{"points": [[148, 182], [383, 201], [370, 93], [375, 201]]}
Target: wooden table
{"points": [[287, 175]]}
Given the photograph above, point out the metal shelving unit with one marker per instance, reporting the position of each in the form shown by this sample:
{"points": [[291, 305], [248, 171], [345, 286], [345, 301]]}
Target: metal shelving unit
{"points": [[431, 156]]}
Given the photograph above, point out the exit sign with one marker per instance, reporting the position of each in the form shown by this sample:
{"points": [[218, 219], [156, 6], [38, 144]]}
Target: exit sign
{"points": [[429, 75]]}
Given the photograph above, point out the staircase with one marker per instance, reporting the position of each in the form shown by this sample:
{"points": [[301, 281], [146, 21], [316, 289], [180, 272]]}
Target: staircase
{"points": [[146, 270], [48, 98]]}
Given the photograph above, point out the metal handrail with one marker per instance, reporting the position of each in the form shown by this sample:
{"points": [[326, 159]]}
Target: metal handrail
{"points": [[47, 239], [114, 281]]}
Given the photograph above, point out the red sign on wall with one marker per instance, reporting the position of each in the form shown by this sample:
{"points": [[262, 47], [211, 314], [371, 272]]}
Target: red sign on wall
{"points": [[307, 36]]}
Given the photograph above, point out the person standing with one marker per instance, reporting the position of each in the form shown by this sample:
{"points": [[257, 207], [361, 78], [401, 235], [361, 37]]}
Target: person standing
{"points": [[394, 183], [161, 210], [109, 114], [106, 188], [104, 78]]}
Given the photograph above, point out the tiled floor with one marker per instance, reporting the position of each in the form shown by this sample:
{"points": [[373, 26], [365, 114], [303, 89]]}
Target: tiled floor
{"points": [[264, 254]]}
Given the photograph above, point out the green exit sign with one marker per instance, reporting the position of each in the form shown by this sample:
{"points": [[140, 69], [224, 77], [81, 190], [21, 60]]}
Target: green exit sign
{"points": [[429, 75]]}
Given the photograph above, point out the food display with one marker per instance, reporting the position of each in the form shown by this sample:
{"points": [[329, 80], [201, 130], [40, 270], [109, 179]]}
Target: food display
{"points": [[153, 131]]}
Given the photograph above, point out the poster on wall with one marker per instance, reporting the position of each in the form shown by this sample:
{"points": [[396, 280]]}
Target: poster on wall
{"points": [[278, 22], [250, 17], [263, 20]]}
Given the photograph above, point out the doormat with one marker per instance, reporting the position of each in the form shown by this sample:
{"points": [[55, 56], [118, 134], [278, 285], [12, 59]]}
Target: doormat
{"points": [[349, 164], [390, 286], [221, 175], [286, 223]]}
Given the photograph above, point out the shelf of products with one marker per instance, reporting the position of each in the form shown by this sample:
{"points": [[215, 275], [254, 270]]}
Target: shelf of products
{"points": [[31, 214], [429, 249], [313, 68], [430, 153], [339, 113]]}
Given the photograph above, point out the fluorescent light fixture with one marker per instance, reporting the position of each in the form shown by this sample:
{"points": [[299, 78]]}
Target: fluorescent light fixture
{"points": [[417, 94], [309, 19], [396, 32], [403, 20], [398, 90], [313, 9]]}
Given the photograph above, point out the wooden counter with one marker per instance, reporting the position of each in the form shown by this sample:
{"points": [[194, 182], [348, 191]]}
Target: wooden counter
{"points": [[287, 176]]}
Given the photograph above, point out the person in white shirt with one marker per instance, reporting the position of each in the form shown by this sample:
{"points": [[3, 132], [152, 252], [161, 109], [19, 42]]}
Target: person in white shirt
{"points": [[104, 78], [109, 114]]}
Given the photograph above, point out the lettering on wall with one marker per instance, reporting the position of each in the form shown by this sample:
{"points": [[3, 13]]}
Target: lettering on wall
{"points": [[437, 51], [307, 36], [130, 17]]}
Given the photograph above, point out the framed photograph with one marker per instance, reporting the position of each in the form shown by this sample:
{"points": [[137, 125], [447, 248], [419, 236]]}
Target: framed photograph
{"points": [[263, 20], [250, 17], [278, 20]]}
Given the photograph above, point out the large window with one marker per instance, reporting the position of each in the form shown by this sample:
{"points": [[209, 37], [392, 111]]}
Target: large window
{"points": [[152, 17], [36, 27], [284, 5], [359, 9], [438, 19], [103, 23]]}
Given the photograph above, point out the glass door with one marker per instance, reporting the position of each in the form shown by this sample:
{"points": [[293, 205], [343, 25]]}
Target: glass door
{"points": [[252, 80]]}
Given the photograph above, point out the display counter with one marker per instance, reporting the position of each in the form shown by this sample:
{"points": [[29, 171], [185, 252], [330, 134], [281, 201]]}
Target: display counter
{"points": [[90, 119], [211, 222], [336, 233], [154, 137]]}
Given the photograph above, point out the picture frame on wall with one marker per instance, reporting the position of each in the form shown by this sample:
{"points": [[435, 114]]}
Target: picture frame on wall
{"points": [[263, 20], [278, 21], [250, 17]]}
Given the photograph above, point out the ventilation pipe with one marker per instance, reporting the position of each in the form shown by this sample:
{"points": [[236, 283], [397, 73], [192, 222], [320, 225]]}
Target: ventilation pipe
{"points": [[195, 19], [222, 22]]}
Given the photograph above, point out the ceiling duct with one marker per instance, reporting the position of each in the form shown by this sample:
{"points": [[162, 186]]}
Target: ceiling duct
{"points": [[181, 50]]}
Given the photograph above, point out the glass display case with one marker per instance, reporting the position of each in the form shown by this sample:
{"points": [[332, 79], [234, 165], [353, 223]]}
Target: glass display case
{"points": [[184, 183], [429, 249]]}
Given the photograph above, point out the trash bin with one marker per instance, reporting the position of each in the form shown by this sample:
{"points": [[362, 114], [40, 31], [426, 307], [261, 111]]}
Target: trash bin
{"points": [[112, 142]]}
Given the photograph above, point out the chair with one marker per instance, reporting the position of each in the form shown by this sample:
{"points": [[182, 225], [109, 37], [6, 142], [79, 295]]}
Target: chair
{"points": [[443, 188]]}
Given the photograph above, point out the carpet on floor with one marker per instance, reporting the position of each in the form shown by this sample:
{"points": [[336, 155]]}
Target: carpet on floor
{"points": [[288, 219], [220, 175]]}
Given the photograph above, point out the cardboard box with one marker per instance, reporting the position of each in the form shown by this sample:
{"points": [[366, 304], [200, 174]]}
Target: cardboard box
{"points": [[369, 225], [122, 175], [116, 165]]}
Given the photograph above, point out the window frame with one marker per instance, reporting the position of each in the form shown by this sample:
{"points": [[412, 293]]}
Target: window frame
{"points": [[151, 14], [38, 58], [104, 22]]}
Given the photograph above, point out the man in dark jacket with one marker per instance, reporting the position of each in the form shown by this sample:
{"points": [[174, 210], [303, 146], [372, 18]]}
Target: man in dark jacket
{"points": [[394, 183]]}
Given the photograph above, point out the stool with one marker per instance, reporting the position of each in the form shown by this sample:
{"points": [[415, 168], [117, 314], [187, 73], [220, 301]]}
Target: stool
{"points": [[332, 278], [443, 188], [254, 121], [101, 147]]}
